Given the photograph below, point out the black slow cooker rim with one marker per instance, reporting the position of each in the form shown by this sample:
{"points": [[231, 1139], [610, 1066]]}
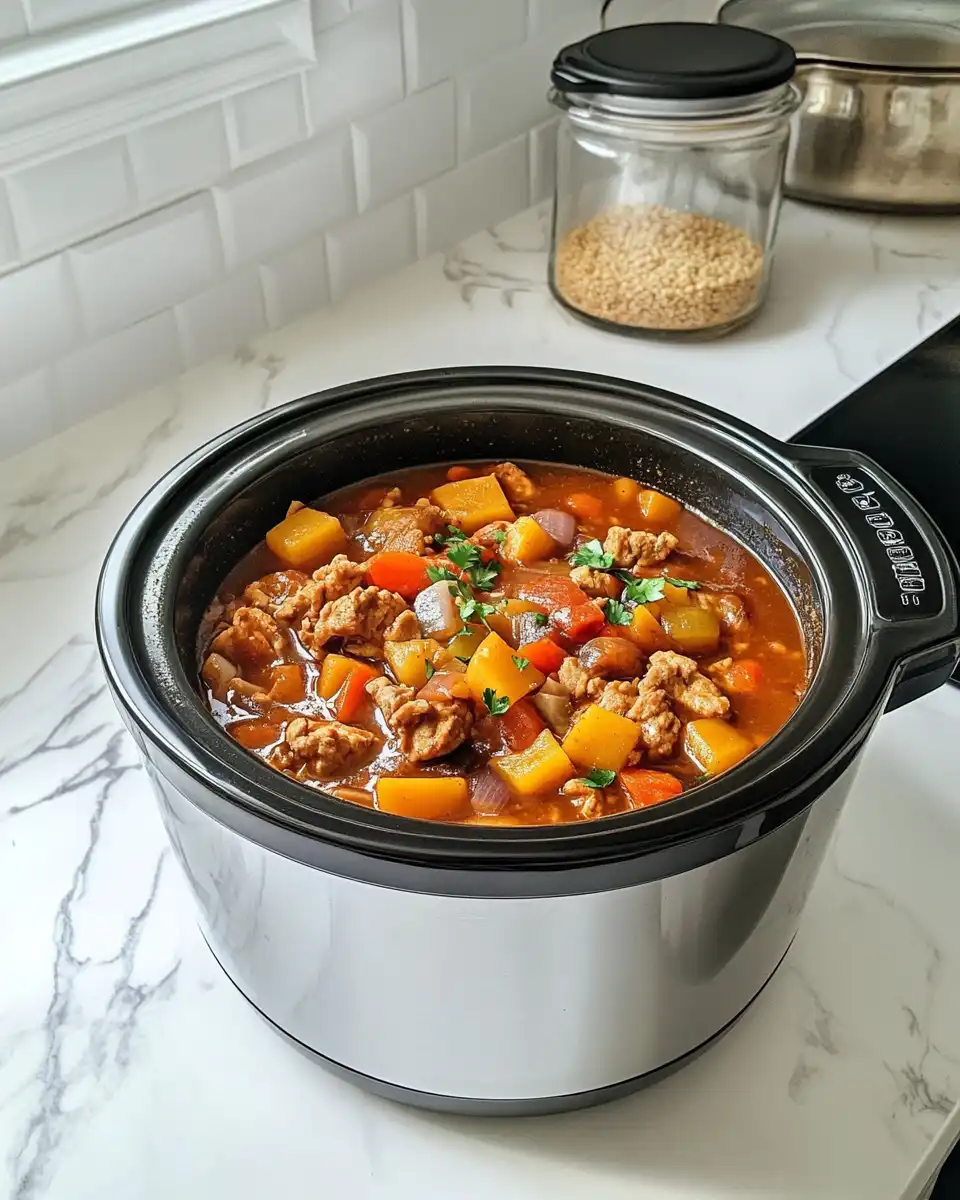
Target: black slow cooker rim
{"points": [[731, 805]]}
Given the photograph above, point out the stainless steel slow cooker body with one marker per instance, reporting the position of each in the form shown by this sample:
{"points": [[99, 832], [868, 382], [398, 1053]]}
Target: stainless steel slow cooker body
{"points": [[878, 126], [518, 969]]}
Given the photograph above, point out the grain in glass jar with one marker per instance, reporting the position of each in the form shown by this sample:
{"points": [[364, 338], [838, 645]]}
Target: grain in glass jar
{"points": [[670, 158]]}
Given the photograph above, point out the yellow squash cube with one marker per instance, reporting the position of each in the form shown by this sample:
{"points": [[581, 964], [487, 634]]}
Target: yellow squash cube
{"points": [[542, 767], [646, 631], [426, 798], [600, 739], [527, 541], [307, 539], [492, 666], [408, 660], [504, 620], [335, 669], [714, 745], [693, 629], [473, 503]]}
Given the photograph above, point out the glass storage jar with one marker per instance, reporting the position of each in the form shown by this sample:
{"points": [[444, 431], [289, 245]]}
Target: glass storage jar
{"points": [[670, 159]]}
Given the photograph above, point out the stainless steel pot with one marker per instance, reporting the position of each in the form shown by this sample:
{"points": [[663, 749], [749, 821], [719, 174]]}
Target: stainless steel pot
{"points": [[878, 126], [518, 969]]}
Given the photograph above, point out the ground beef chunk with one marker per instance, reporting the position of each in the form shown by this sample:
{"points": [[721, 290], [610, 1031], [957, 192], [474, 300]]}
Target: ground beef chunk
{"points": [[596, 583], [272, 591], [637, 548], [682, 681], [485, 536], [325, 748], [338, 578], [649, 706], [404, 629], [591, 801], [579, 683], [252, 637], [517, 485], [426, 729], [364, 616], [411, 529], [729, 607]]}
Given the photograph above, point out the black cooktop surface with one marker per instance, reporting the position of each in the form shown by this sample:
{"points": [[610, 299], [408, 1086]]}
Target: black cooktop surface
{"points": [[907, 418]]}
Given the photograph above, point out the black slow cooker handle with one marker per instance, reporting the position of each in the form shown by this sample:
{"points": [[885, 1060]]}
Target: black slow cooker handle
{"points": [[912, 572]]}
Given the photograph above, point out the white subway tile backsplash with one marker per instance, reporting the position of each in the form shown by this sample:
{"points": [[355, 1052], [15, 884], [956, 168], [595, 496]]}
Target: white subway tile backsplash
{"points": [[47, 14], [26, 412], [147, 265], [175, 157], [104, 372], [503, 98], [9, 252], [218, 321], [359, 67], [544, 13], [295, 281], [69, 197], [13, 21], [38, 317], [269, 206], [481, 192], [405, 145], [328, 12], [543, 161], [378, 242], [266, 119], [443, 36]]}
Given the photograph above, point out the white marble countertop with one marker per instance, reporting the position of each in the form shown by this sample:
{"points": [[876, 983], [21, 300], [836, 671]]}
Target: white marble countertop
{"points": [[129, 1066]]}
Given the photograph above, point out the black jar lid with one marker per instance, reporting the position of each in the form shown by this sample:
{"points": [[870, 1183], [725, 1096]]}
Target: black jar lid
{"points": [[675, 60]]}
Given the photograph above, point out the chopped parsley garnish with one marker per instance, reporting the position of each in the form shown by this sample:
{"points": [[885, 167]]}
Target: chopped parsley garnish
{"points": [[496, 705], [617, 613], [540, 619], [689, 584], [429, 670], [499, 536], [483, 578], [435, 574], [520, 663], [469, 607], [464, 555], [453, 534], [592, 554], [469, 559], [644, 591], [598, 778]]}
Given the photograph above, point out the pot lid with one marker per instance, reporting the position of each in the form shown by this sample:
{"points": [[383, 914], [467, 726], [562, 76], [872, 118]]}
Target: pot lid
{"points": [[919, 35], [675, 61]]}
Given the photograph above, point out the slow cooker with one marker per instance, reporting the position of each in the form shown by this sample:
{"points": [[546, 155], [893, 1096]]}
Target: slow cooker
{"points": [[518, 969]]}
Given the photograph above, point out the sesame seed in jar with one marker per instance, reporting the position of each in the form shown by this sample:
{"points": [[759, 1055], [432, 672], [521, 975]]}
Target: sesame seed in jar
{"points": [[649, 267]]}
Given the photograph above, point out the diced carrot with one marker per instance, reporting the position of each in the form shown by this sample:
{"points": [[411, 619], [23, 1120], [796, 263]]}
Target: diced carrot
{"points": [[398, 571], [609, 630], [352, 696], [445, 685], [744, 677], [579, 622], [625, 490], [658, 508], [585, 506], [650, 787], [549, 591], [256, 733], [287, 684], [520, 725], [455, 473], [372, 498], [544, 653]]}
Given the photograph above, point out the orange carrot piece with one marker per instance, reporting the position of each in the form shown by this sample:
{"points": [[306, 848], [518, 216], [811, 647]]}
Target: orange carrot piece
{"points": [[544, 653], [585, 506], [457, 473], [520, 725], [352, 696], [580, 622], [398, 571], [744, 677], [650, 787]]}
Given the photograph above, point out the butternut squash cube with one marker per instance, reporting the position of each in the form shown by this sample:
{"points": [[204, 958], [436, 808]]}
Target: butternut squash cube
{"points": [[408, 660], [504, 621], [472, 503], [335, 669], [600, 739], [421, 797], [714, 745], [492, 666], [657, 508], [542, 767], [527, 541], [646, 631], [307, 539], [693, 629], [465, 644]]}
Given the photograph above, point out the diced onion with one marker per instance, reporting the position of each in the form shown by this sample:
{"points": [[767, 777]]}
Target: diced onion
{"points": [[488, 794], [217, 673], [561, 526], [436, 610]]}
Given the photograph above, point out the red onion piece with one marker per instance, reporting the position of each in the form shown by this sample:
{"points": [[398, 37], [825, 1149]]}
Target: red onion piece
{"points": [[561, 526], [488, 794]]}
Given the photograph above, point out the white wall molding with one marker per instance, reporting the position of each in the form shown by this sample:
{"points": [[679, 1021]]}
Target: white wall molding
{"points": [[67, 88]]}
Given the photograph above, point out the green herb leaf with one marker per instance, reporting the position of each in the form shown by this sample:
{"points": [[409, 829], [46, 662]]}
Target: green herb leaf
{"points": [[598, 778], [644, 591], [591, 554], [690, 584], [435, 574], [520, 663], [464, 555], [496, 705], [453, 534], [499, 536], [616, 613], [483, 578], [429, 670], [540, 619]]}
